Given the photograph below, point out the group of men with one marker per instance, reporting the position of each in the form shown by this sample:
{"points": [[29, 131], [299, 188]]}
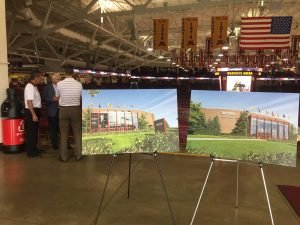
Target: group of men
{"points": [[63, 104]]}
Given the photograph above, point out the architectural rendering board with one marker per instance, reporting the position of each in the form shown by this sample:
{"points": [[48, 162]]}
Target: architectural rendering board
{"points": [[134, 120], [253, 126]]}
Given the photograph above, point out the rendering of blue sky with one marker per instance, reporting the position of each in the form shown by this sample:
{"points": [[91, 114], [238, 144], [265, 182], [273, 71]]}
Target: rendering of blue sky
{"points": [[161, 102], [278, 103]]}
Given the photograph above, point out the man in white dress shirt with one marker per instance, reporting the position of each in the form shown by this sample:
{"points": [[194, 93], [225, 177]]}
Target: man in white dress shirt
{"points": [[32, 100]]}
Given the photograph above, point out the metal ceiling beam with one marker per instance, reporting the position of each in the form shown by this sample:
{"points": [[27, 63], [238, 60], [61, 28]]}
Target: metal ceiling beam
{"points": [[145, 63], [175, 8], [44, 33], [131, 61], [90, 5], [116, 55], [129, 3], [51, 48], [113, 38], [33, 56], [14, 39], [66, 47], [79, 4], [65, 5], [147, 3], [11, 24], [47, 14], [77, 53], [116, 36]]}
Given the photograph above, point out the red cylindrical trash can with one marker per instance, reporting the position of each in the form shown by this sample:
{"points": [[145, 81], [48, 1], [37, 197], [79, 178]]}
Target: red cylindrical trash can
{"points": [[12, 124]]}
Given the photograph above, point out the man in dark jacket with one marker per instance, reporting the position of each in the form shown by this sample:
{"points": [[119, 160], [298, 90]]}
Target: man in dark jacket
{"points": [[51, 98]]}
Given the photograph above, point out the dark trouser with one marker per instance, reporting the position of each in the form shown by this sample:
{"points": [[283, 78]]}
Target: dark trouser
{"points": [[53, 130], [70, 115], [31, 132]]}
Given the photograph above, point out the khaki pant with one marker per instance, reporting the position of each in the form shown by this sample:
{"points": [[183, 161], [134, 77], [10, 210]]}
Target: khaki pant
{"points": [[70, 115]]}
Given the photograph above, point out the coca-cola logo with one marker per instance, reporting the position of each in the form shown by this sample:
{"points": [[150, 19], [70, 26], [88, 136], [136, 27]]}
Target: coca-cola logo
{"points": [[21, 128]]}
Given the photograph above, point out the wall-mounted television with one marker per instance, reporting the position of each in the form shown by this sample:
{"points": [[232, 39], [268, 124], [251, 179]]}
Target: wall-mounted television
{"points": [[239, 83]]}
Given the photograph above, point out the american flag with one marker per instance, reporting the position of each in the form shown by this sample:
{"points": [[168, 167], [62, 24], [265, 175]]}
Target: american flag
{"points": [[265, 32]]}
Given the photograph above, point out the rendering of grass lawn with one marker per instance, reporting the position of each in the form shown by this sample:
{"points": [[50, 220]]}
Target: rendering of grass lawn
{"points": [[138, 141], [242, 148], [120, 140], [235, 149]]}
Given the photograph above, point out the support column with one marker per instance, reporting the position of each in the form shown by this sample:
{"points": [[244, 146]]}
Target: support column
{"points": [[3, 59]]}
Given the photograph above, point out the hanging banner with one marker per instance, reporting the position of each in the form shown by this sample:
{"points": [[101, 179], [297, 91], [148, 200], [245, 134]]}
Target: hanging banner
{"points": [[160, 34], [295, 46], [207, 46], [219, 25], [189, 32]]}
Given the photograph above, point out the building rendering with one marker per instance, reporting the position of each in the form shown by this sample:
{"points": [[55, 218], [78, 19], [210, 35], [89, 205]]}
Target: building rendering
{"points": [[259, 125], [117, 119]]}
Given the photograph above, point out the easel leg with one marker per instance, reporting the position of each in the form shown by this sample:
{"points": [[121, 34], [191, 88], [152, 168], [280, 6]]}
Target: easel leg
{"points": [[164, 187], [129, 175], [105, 188], [203, 188], [237, 184], [266, 191]]}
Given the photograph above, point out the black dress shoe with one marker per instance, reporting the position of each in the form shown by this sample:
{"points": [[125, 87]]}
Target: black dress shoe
{"points": [[60, 159], [80, 158], [40, 151], [32, 155]]}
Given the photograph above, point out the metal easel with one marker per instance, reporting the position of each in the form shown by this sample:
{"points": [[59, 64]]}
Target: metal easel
{"points": [[213, 159], [162, 181]]}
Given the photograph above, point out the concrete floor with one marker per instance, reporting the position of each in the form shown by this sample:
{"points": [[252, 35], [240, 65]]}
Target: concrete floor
{"points": [[44, 191]]}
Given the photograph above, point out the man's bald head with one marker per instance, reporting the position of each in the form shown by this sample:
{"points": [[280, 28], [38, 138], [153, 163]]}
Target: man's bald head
{"points": [[55, 78]]}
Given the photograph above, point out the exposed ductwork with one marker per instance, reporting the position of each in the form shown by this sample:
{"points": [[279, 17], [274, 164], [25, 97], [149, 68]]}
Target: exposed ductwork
{"points": [[32, 19], [74, 35]]}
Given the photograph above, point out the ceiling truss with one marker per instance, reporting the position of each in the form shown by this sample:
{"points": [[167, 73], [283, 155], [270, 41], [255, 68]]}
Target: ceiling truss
{"points": [[89, 31]]}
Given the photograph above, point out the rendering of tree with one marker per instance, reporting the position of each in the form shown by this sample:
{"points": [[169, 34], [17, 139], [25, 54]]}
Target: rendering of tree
{"points": [[143, 123], [86, 120], [213, 126], [197, 123], [93, 93], [292, 132], [241, 125]]}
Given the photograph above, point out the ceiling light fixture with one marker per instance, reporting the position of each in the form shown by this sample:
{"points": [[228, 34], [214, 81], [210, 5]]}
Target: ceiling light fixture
{"points": [[232, 34]]}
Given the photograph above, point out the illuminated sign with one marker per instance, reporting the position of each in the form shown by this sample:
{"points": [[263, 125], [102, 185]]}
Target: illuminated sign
{"points": [[235, 73], [239, 73]]}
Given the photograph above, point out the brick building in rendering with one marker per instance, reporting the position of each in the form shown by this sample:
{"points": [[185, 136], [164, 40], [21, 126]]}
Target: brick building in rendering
{"points": [[259, 125]]}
